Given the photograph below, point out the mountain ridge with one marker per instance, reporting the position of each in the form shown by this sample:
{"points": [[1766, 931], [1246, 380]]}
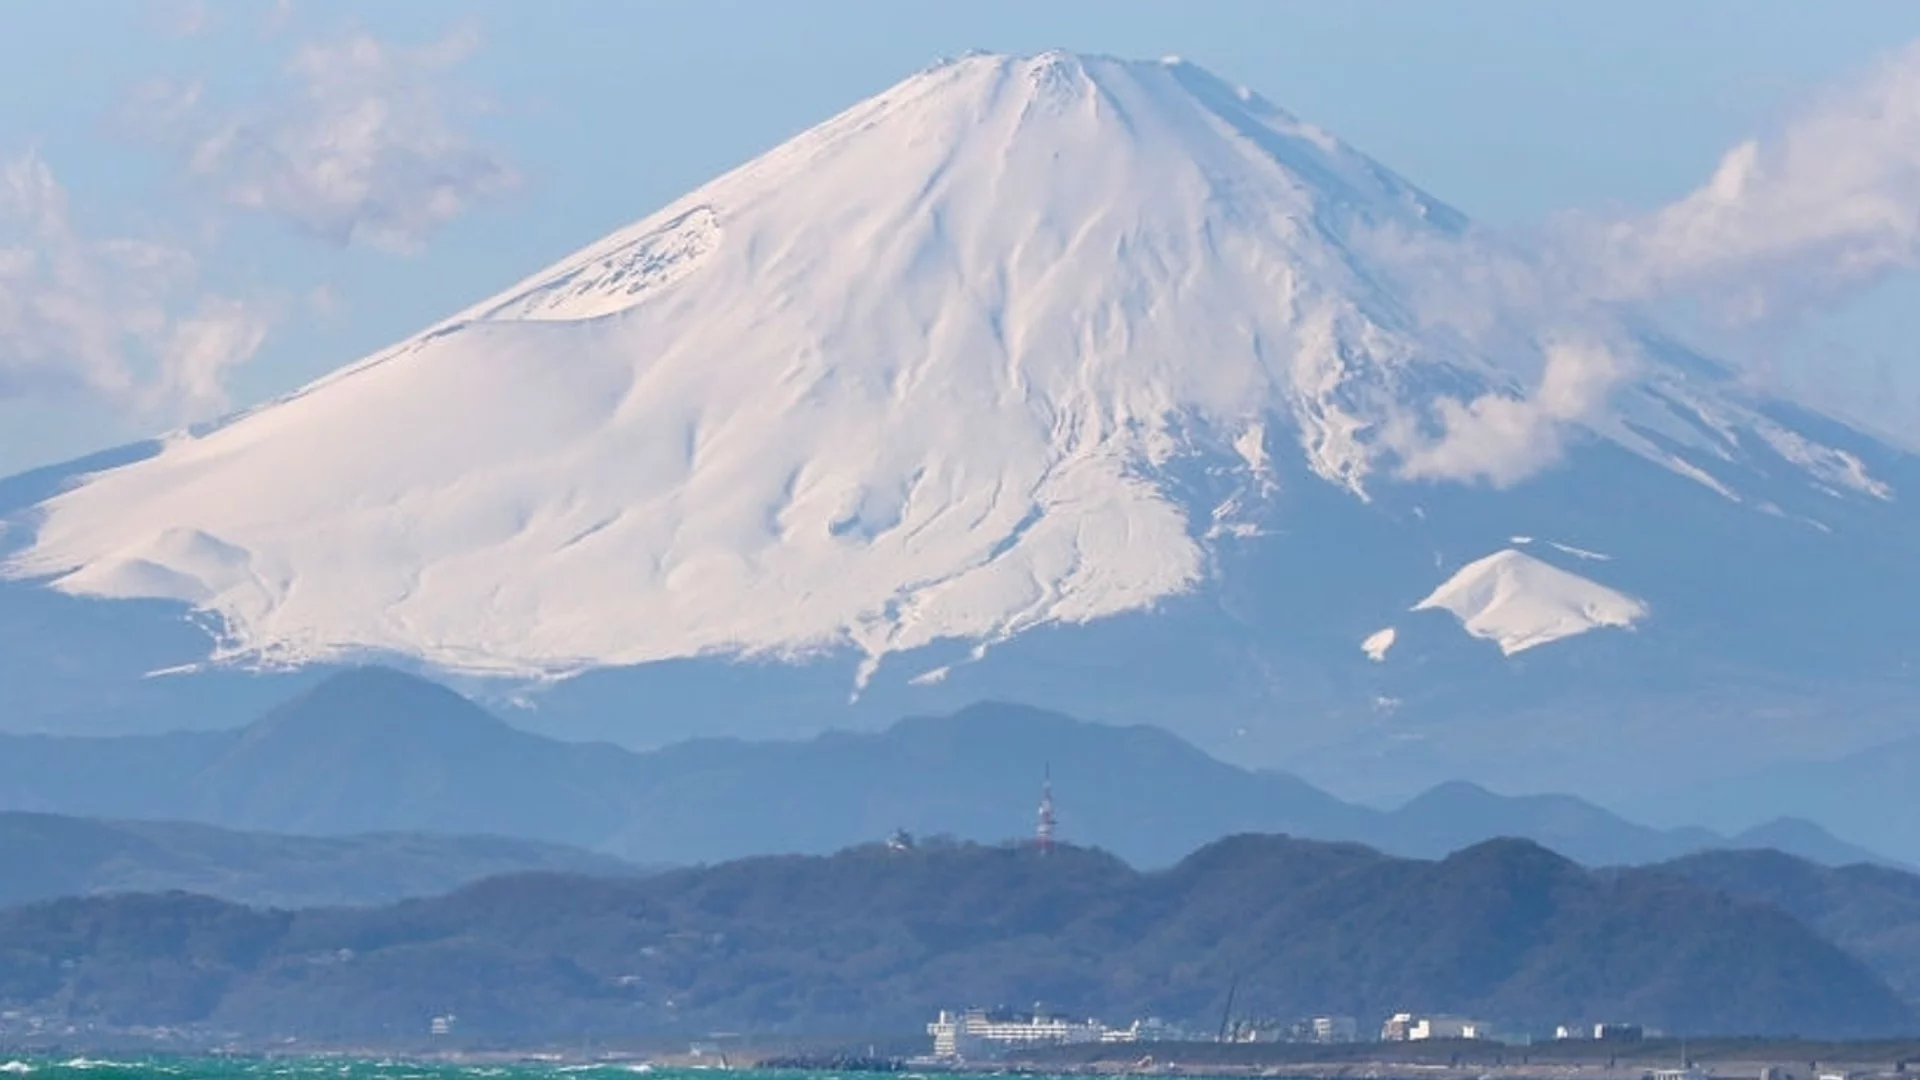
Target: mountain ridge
{"points": [[876, 940], [49, 856], [377, 750]]}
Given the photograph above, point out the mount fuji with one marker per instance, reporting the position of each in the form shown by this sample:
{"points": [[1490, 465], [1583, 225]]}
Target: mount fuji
{"points": [[1105, 386]]}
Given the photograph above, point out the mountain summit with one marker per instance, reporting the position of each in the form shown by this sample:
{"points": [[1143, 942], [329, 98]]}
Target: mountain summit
{"points": [[1021, 348], [912, 376]]}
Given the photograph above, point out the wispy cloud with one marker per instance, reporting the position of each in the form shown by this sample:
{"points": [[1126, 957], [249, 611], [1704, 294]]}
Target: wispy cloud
{"points": [[1555, 356], [115, 320], [1501, 439], [1827, 205], [1823, 208], [364, 146]]}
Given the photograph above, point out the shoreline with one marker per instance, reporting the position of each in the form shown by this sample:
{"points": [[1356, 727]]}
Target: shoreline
{"points": [[1734, 1059]]}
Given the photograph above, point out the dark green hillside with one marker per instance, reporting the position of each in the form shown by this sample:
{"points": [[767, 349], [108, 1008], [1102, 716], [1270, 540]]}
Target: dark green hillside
{"points": [[1871, 911], [875, 940]]}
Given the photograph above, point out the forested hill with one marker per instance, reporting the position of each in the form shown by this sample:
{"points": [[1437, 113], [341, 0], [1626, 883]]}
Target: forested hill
{"points": [[874, 940], [1871, 911]]}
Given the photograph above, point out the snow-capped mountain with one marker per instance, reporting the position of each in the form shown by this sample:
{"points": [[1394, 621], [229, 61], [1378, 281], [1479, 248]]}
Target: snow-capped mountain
{"points": [[1094, 383]]}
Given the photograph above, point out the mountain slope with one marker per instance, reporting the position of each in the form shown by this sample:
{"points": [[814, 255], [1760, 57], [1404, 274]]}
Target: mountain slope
{"points": [[377, 750], [1455, 815], [959, 362], [373, 749], [874, 941], [1871, 911], [48, 856], [1098, 385], [1868, 794]]}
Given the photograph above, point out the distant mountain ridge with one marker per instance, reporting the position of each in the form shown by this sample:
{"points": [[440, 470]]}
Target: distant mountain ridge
{"points": [[375, 750], [873, 941], [45, 856]]}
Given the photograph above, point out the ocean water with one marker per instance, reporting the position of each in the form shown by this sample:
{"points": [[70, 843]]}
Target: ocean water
{"points": [[344, 1069]]}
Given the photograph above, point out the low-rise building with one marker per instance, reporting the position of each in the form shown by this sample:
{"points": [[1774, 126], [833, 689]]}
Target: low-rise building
{"points": [[980, 1033], [1334, 1029], [1447, 1027]]}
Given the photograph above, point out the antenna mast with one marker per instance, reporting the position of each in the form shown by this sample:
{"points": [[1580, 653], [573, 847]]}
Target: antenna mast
{"points": [[1044, 824]]}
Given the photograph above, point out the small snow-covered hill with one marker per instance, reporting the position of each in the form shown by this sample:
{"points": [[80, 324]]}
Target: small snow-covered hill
{"points": [[1082, 381], [1518, 602]]}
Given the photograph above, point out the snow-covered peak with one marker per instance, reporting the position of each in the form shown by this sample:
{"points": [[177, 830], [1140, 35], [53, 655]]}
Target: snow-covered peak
{"points": [[920, 373]]}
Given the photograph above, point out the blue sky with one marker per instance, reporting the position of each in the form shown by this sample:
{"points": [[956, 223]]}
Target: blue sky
{"points": [[530, 130]]}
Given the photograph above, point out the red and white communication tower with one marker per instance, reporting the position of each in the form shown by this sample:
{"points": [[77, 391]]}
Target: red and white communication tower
{"points": [[1043, 826]]}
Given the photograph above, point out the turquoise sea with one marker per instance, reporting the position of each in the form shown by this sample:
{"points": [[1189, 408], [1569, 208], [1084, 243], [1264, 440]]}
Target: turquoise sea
{"points": [[343, 1069]]}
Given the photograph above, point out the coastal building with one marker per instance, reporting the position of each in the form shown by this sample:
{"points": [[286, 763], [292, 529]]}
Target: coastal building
{"points": [[1405, 1027], [1619, 1032], [1257, 1030], [1334, 1029], [980, 1033]]}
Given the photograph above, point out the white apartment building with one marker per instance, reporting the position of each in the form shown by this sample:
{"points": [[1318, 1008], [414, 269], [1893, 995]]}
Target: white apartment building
{"points": [[979, 1033], [1406, 1027], [1447, 1027], [1335, 1029]]}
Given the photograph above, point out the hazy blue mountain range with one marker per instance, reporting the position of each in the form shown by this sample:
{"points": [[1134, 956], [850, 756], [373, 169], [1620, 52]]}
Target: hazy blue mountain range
{"points": [[375, 750], [43, 856], [873, 941], [1868, 795]]}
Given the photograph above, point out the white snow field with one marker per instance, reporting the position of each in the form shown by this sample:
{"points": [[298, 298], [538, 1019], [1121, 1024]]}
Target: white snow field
{"points": [[1376, 644], [917, 374], [1518, 602]]}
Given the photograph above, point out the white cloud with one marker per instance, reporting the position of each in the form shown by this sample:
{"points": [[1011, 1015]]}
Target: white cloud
{"points": [[98, 319], [1521, 313], [1502, 439], [1824, 207], [199, 348], [364, 147]]}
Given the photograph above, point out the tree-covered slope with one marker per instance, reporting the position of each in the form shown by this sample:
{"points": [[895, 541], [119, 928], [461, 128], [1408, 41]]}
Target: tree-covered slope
{"points": [[875, 940]]}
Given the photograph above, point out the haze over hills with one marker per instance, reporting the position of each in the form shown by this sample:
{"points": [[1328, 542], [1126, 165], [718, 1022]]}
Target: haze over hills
{"points": [[1867, 794], [48, 856], [1102, 386], [376, 750], [872, 940]]}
